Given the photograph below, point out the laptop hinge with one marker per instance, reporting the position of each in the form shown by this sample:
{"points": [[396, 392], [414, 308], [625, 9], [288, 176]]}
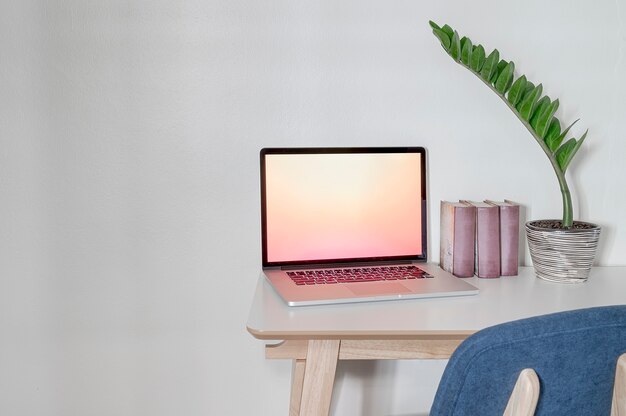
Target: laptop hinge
{"points": [[335, 265]]}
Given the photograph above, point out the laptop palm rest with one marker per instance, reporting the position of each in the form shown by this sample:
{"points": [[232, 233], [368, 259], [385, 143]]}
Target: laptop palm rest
{"points": [[373, 289]]}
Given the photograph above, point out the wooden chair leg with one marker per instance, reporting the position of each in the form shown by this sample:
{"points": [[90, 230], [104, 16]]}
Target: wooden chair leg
{"points": [[523, 400], [319, 377], [297, 381], [618, 407]]}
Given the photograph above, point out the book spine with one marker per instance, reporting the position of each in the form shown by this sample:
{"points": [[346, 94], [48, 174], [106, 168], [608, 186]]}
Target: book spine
{"points": [[488, 242], [446, 236], [509, 239], [464, 235]]}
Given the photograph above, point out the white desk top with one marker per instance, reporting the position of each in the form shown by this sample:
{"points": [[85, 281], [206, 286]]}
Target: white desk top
{"points": [[500, 300]]}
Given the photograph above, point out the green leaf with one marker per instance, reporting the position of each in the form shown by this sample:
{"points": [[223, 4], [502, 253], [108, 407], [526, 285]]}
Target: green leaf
{"points": [[448, 31], [490, 65], [499, 68], [568, 155], [455, 47], [559, 139], [563, 154], [505, 79], [517, 89], [527, 105], [543, 121], [443, 38], [478, 58], [433, 25], [541, 106], [553, 134], [466, 51], [530, 87]]}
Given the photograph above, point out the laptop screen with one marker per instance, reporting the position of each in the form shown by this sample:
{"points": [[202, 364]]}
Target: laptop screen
{"points": [[330, 205]]}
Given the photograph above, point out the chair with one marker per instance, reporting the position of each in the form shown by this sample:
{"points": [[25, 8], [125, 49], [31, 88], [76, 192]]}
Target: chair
{"points": [[564, 362]]}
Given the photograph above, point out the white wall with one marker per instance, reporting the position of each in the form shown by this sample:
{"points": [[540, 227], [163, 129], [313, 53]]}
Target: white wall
{"points": [[130, 131]]}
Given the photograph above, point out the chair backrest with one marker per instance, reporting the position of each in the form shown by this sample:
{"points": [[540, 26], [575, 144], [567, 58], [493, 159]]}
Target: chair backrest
{"points": [[573, 353]]}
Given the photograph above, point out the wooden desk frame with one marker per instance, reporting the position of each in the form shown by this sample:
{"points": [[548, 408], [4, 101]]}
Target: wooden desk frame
{"points": [[315, 362]]}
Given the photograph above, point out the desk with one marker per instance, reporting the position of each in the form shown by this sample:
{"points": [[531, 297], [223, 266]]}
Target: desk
{"points": [[315, 337]]}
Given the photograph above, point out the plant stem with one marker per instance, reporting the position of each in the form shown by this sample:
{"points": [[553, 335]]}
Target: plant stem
{"points": [[567, 198]]}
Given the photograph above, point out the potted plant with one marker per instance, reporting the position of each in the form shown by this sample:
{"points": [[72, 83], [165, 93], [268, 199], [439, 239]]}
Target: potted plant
{"points": [[561, 250]]}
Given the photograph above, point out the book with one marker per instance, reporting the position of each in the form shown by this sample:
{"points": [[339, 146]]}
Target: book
{"points": [[487, 262], [509, 236], [458, 228]]}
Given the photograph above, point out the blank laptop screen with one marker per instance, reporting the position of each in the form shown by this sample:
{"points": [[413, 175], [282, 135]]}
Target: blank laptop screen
{"points": [[332, 206]]}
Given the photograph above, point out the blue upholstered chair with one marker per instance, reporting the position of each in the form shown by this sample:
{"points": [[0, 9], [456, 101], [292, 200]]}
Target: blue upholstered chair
{"points": [[567, 360]]}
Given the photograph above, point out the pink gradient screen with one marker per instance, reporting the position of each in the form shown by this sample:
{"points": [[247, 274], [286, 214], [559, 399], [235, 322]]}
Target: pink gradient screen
{"points": [[343, 206]]}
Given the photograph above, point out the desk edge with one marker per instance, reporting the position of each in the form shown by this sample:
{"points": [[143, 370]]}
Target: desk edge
{"points": [[382, 334]]}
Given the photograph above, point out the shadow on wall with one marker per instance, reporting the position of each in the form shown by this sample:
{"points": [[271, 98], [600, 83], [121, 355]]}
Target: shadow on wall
{"points": [[523, 247]]}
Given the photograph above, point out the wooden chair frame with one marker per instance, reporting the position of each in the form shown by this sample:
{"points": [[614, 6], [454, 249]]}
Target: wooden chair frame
{"points": [[523, 400]]}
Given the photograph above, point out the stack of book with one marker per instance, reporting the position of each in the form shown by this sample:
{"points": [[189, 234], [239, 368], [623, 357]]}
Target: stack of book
{"points": [[479, 238]]}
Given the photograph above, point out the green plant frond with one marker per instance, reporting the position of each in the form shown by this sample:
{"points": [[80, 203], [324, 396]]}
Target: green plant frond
{"points": [[554, 133], [490, 66], [443, 38], [478, 58], [448, 31], [523, 98], [568, 153], [516, 91], [544, 120], [466, 51], [542, 105], [455, 46], [499, 68], [529, 101], [527, 90], [559, 139], [563, 153], [433, 24], [505, 78]]}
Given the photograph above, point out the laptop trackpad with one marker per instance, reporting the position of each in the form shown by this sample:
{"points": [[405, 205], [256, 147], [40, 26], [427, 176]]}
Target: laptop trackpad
{"points": [[373, 289]]}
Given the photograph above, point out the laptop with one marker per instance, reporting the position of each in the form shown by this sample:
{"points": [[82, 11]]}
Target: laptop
{"points": [[348, 225]]}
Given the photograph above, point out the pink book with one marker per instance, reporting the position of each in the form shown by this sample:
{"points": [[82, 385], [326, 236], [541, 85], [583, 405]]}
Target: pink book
{"points": [[509, 237], [458, 227], [487, 239]]}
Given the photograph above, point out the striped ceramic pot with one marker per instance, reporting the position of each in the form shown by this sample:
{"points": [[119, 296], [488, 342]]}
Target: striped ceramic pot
{"points": [[563, 256]]}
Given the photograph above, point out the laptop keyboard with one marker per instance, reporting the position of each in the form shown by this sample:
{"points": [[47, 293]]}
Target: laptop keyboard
{"points": [[360, 274]]}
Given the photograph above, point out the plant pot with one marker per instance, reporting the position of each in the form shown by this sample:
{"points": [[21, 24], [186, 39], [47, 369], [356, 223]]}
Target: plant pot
{"points": [[563, 256]]}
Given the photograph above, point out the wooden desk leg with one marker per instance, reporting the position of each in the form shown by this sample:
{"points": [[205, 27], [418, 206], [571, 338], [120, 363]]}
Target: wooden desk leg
{"points": [[319, 377], [297, 381]]}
